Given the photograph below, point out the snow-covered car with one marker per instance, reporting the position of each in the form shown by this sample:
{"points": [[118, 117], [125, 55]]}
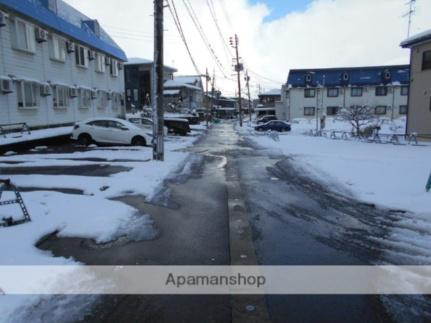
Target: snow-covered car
{"points": [[266, 119], [146, 124], [109, 131]]}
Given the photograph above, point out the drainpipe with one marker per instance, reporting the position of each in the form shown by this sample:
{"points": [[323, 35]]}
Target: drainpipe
{"points": [[393, 103]]}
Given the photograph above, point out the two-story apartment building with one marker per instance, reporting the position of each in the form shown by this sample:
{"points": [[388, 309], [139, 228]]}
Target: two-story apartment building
{"points": [[185, 91], [419, 112], [317, 92], [138, 73], [57, 66]]}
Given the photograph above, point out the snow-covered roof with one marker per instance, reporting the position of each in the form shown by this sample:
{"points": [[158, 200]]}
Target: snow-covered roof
{"points": [[67, 21], [272, 92], [144, 61], [171, 92], [418, 38], [178, 83]]}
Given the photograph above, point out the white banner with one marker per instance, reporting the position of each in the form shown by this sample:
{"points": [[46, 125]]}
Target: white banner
{"points": [[306, 280]]}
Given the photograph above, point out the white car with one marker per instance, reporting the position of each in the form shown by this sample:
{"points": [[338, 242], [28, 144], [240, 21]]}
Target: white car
{"points": [[146, 124], [109, 131]]}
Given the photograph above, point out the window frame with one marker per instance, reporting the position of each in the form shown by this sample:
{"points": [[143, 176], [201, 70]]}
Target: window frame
{"points": [[57, 48], [81, 56], [22, 93], [356, 88], [102, 100], [403, 106], [379, 88], [332, 107], [114, 71], [82, 99], [309, 114], [23, 42], [60, 92], [329, 89], [100, 63], [380, 107], [308, 90], [404, 91], [426, 61]]}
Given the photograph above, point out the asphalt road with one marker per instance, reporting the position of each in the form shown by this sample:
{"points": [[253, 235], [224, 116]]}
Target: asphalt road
{"points": [[294, 220]]}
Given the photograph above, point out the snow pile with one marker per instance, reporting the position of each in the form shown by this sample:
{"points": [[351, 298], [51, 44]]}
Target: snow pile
{"points": [[387, 175], [14, 138]]}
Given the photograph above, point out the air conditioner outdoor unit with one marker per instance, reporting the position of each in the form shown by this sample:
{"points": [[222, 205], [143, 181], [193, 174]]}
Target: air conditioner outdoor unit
{"points": [[45, 90], [3, 18], [108, 60], [6, 85], [70, 47], [41, 35], [93, 94], [73, 92], [91, 55]]}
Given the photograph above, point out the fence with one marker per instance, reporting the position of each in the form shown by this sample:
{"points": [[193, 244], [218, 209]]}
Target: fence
{"points": [[13, 127], [380, 138]]}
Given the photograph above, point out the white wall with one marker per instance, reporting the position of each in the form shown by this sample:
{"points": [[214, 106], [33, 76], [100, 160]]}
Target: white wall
{"points": [[40, 67], [294, 101]]}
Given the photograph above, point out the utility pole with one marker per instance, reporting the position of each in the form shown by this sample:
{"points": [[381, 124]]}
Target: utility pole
{"points": [[247, 80], [410, 14], [212, 93], [158, 122], [207, 79], [238, 68]]}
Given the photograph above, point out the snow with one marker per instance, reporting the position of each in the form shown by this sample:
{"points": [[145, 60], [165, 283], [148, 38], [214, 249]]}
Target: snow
{"points": [[272, 92], [93, 214], [425, 35], [388, 175], [14, 138]]}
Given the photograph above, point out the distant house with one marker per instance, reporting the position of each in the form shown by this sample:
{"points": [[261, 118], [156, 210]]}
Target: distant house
{"points": [[267, 102], [184, 92], [138, 81], [311, 93], [419, 111], [57, 65]]}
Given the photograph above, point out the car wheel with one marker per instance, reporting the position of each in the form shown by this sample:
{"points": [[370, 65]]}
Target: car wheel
{"points": [[139, 141], [85, 139]]}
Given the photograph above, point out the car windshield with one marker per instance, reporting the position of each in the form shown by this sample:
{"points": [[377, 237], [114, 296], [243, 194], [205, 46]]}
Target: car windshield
{"points": [[194, 161]]}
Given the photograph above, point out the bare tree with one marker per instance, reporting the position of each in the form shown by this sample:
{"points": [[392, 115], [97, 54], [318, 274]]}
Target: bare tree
{"points": [[358, 116]]}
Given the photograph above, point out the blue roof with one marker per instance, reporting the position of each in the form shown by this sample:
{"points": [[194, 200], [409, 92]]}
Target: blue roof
{"points": [[35, 10], [350, 76]]}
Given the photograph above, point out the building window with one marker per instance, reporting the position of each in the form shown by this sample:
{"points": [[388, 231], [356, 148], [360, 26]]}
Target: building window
{"points": [[332, 111], [116, 101], [380, 110], [309, 111], [57, 48], [404, 90], [381, 91], [426, 60], [81, 56], [356, 91], [332, 92], [403, 109], [102, 101], [114, 68], [100, 63], [84, 98], [28, 94], [60, 96], [309, 93], [23, 36]]}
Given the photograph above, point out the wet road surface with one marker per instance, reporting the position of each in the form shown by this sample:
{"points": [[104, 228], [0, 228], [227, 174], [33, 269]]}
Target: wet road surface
{"points": [[295, 221]]}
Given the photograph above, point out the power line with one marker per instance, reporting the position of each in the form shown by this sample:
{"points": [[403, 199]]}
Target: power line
{"points": [[174, 13], [226, 48], [201, 32]]}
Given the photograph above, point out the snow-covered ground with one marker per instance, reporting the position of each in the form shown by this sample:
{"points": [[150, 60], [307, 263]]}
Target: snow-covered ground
{"points": [[91, 215], [14, 138], [388, 175]]}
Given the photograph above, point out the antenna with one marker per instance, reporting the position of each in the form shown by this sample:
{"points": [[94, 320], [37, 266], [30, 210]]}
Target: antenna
{"points": [[410, 13]]}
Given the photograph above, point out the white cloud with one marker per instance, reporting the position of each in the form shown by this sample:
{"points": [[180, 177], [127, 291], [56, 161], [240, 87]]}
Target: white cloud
{"points": [[328, 33]]}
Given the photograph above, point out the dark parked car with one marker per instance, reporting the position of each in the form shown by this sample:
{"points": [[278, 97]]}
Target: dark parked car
{"points": [[177, 126], [274, 125], [266, 119], [191, 118]]}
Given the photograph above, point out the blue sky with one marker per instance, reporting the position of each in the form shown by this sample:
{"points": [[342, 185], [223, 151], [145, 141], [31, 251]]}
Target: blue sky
{"points": [[280, 8]]}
